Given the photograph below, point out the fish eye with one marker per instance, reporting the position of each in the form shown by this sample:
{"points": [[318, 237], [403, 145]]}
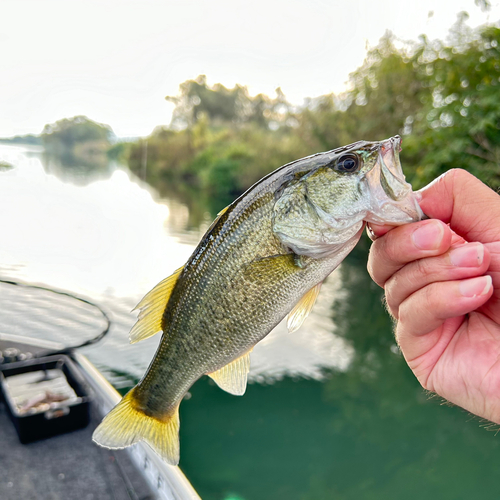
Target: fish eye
{"points": [[347, 163]]}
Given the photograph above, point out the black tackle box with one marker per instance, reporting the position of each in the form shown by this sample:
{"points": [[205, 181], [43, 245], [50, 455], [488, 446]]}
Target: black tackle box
{"points": [[45, 397]]}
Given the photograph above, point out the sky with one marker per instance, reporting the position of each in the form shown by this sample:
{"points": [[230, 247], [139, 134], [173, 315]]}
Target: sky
{"points": [[116, 60]]}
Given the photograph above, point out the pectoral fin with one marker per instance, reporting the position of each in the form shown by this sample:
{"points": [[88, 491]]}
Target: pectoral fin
{"points": [[272, 269], [302, 309], [232, 378], [151, 309]]}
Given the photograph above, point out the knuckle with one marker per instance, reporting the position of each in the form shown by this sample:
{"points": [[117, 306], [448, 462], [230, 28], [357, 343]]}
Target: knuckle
{"points": [[390, 286], [375, 264], [416, 305], [392, 311], [460, 175], [369, 264], [403, 283], [389, 250], [418, 270], [427, 296], [404, 313], [398, 333], [421, 273]]}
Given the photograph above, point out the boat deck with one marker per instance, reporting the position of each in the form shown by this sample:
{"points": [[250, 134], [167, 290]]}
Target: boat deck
{"points": [[65, 467], [69, 466]]}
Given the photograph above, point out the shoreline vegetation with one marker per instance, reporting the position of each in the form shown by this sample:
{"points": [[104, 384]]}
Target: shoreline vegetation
{"points": [[440, 96]]}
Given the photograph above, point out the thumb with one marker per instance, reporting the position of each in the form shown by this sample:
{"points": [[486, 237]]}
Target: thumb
{"points": [[470, 207]]}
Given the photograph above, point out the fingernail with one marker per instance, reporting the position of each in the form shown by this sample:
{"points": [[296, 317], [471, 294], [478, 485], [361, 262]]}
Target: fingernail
{"points": [[467, 255], [476, 286], [429, 236]]}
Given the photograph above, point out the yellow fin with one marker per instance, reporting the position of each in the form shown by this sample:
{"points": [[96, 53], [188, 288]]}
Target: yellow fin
{"points": [[151, 308], [232, 378], [222, 211], [302, 309], [219, 215], [125, 425], [271, 268]]}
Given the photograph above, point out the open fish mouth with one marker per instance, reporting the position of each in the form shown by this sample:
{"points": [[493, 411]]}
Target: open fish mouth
{"points": [[392, 199]]}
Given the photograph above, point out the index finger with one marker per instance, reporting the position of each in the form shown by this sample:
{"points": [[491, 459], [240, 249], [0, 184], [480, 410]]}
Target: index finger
{"points": [[404, 244]]}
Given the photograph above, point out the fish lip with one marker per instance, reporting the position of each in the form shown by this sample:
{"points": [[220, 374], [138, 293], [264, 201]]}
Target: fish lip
{"points": [[388, 158], [393, 143], [405, 213], [392, 200]]}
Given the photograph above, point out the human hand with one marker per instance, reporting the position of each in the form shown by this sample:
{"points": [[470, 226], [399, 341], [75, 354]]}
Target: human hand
{"points": [[442, 284]]}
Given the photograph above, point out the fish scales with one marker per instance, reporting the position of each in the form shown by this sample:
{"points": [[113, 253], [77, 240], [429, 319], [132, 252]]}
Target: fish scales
{"points": [[264, 257], [217, 327]]}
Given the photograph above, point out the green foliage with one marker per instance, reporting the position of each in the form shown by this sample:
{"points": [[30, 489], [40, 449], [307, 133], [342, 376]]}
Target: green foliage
{"points": [[119, 152], [78, 142], [5, 165], [31, 139], [162, 156], [220, 162], [461, 126], [442, 97], [198, 100]]}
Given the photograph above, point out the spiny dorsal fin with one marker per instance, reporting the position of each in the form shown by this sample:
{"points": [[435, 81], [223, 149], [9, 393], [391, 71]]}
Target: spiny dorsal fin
{"points": [[302, 309], [219, 215], [222, 211], [151, 308], [232, 378]]}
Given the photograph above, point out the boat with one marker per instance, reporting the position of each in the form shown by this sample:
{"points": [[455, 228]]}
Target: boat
{"points": [[46, 448]]}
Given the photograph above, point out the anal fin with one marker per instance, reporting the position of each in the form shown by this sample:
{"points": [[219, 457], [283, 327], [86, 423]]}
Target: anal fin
{"points": [[302, 309], [151, 309], [232, 378]]}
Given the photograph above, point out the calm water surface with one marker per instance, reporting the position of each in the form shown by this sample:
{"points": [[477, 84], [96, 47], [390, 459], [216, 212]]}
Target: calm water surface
{"points": [[332, 412]]}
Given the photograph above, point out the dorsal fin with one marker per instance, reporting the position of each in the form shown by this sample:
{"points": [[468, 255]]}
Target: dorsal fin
{"points": [[219, 215], [232, 378], [222, 211], [151, 308], [302, 309]]}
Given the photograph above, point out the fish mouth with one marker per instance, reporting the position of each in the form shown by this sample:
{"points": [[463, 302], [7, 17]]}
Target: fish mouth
{"points": [[392, 200]]}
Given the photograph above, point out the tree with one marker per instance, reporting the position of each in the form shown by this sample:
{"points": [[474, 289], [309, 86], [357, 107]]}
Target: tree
{"points": [[442, 97], [78, 141], [223, 106], [460, 125]]}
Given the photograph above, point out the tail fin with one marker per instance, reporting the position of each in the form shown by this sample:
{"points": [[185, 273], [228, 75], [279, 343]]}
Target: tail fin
{"points": [[125, 425]]}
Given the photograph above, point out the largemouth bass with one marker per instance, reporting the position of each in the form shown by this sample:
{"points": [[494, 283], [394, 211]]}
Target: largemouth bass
{"points": [[265, 256]]}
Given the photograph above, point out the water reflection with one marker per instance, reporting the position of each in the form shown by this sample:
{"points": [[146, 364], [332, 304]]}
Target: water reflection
{"points": [[308, 352], [200, 207], [76, 172], [112, 240], [332, 411], [368, 431]]}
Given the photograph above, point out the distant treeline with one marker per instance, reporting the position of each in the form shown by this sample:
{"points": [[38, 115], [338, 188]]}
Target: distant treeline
{"points": [[79, 142], [74, 142], [443, 98], [32, 139]]}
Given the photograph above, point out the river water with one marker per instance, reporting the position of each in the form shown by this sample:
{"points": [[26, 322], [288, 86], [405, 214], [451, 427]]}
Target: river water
{"points": [[331, 411]]}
